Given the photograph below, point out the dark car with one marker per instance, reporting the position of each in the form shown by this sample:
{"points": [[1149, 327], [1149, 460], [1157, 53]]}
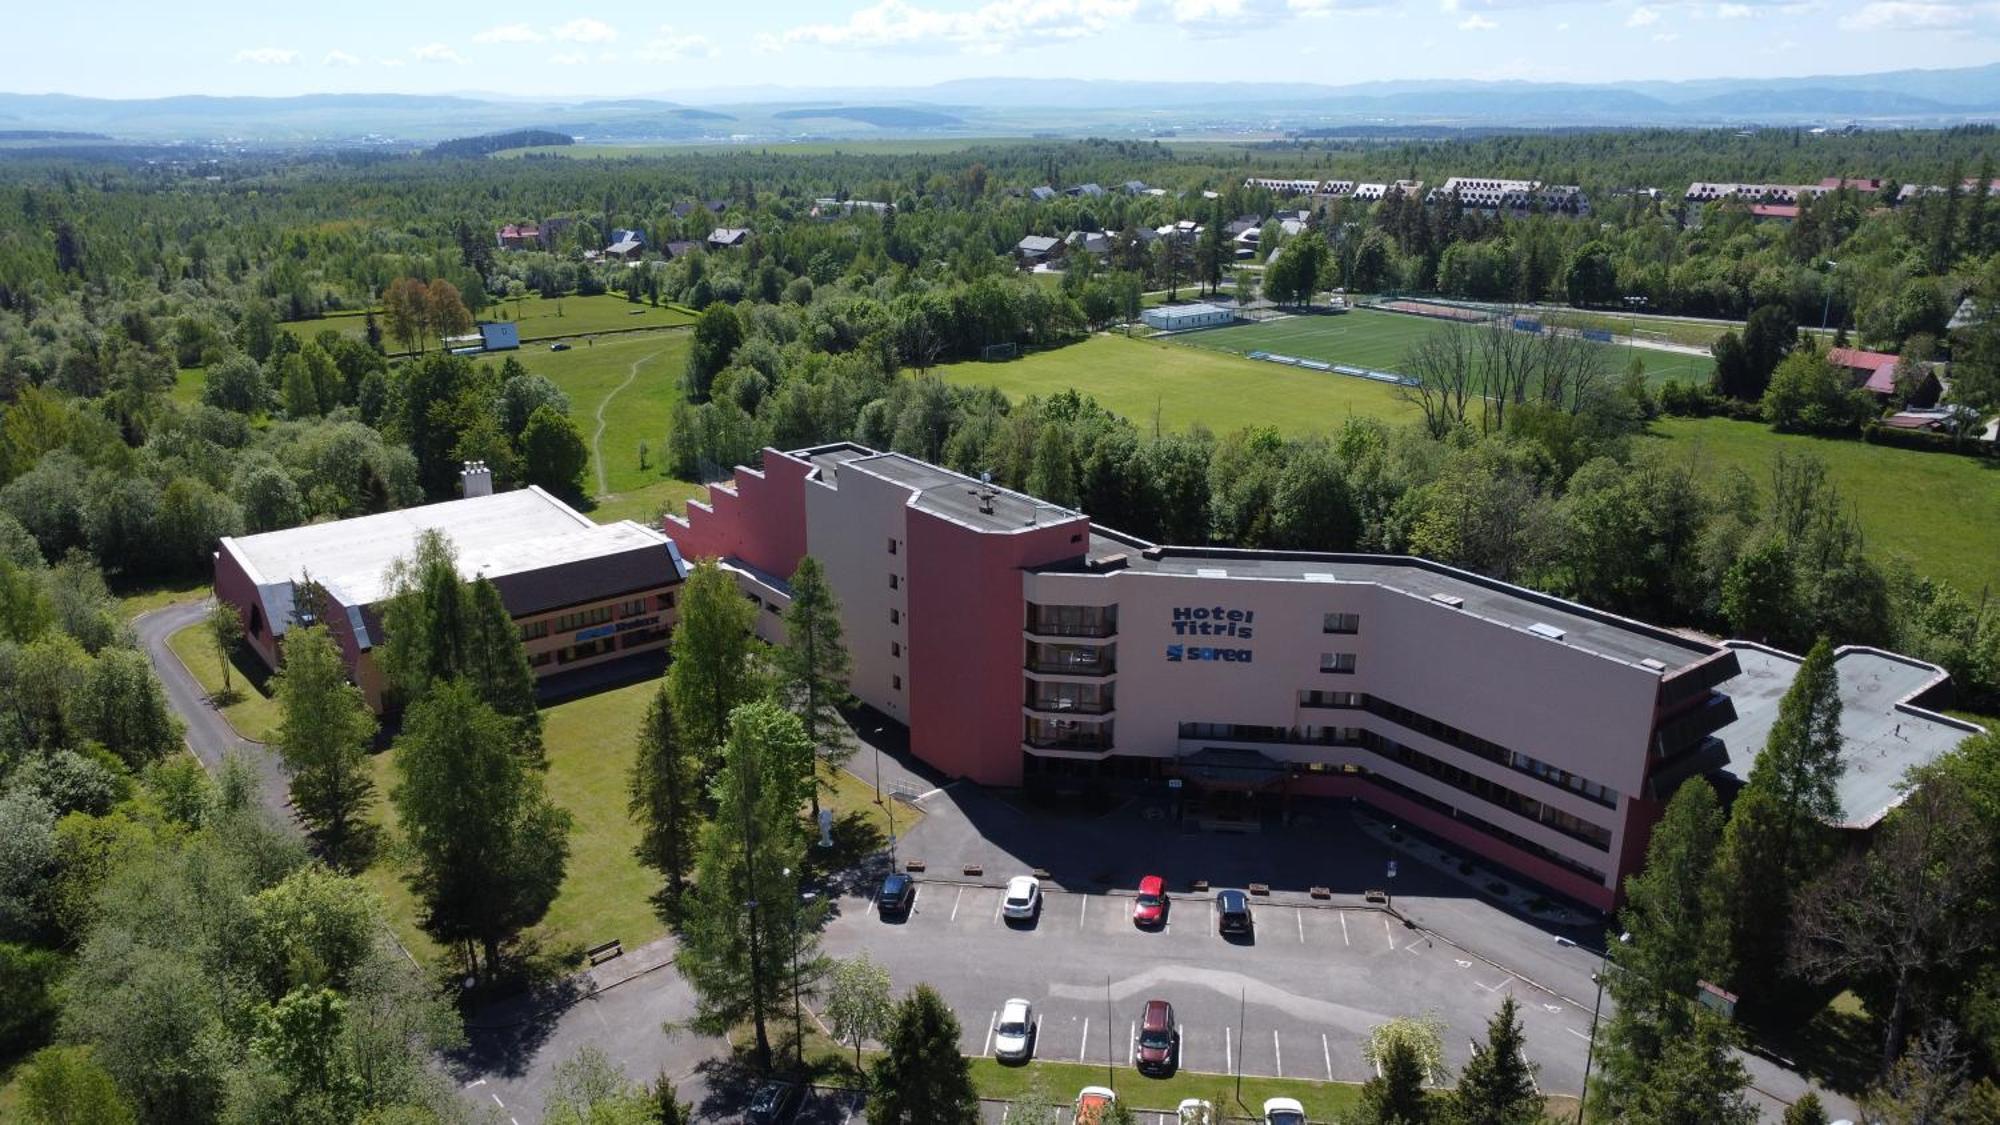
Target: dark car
{"points": [[1154, 1053], [1232, 913], [898, 894], [558, 346], [772, 1103]]}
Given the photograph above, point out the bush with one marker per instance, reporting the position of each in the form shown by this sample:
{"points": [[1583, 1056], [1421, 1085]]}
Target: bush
{"points": [[27, 1000]]}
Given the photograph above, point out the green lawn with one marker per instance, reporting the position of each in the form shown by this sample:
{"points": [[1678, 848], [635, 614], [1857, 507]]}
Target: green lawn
{"points": [[1380, 340], [605, 893], [188, 382], [622, 391], [645, 504], [253, 713], [540, 318], [1940, 511], [145, 599], [1176, 386]]}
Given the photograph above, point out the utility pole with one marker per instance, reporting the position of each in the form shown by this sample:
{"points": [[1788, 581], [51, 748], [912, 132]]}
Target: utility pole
{"points": [[1110, 1075], [1242, 999]]}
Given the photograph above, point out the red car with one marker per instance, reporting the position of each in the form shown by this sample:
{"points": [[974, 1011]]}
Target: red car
{"points": [[1153, 1052], [1150, 908]]}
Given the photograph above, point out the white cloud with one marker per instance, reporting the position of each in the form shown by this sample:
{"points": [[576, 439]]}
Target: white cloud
{"points": [[1666, 36], [436, 53], [1907, 15], [1642, 17], [339, 58], [509, 33], [388, 62], [1732, 11], [1563, 26], [990, 27], [1476, 23], [669, 45], [267, 56], [586, 30], [569, 58], [1311, 7]]}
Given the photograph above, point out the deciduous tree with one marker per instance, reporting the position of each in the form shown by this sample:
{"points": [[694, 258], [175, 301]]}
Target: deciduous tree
{"points": [[859, 1006], [225, 632], [324, 734]]}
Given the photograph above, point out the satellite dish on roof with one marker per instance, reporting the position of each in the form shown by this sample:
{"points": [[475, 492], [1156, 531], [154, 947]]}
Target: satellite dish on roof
{"points": [[985, 476]]}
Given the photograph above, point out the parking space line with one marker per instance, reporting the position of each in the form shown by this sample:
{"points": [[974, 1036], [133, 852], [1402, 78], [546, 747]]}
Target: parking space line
{"points": [[1082, 910], [1389, 933], [1132, 1041], [1496, 987], [990, 1022], [1211, 920], [1184, 1063], [1228, 1053], [1578, 1034], [1037, 1044], [870, 908], [955, 902], [1327, 1050], [1299, 916], [997, 904], [1412, 948], [1085, 1044], [1344, 940], [1278, 1053], [496, 1099]]}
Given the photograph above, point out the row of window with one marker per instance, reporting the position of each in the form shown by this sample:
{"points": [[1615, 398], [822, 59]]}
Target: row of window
{"points": [[1491, 829], [1489, 791], [1073, 660], [1341, 663], [1065, 734], [1494, 752], [1342, 623], [585, 618], [1090, 699]]}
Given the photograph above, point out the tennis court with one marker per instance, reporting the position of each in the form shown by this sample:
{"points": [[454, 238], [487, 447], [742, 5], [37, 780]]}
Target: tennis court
{"points": [[1380, 340]]}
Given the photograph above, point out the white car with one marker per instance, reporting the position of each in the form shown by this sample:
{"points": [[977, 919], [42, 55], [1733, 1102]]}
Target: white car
{"points": [[1284, 1111], [1194, 1111], [1024, 897], [1014, 1036]]}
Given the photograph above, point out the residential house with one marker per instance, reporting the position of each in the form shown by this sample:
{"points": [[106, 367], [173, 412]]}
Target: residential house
{"points": [[1283, 187], [1035, 248], [1042, 194], [1095, 243], [623, 235], [1241, 224], [724, 238], [1085, 191], [1875, 372], [681, 248], [1134, 187], [626, 249], [1778, 212], [526, 236]]}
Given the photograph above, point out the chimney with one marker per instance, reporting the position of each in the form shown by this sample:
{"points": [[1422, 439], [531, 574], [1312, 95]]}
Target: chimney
{"points": [[476, 479]]}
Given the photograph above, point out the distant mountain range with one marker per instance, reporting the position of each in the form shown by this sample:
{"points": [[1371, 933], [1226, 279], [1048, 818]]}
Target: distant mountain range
{"points": [[1020, 106]]}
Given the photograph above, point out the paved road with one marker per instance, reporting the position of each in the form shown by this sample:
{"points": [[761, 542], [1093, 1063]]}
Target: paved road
{"points": [[209, 735]]}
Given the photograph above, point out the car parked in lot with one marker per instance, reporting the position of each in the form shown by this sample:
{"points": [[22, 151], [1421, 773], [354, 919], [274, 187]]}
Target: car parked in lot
{"points": [[1232, 913], [898, 894], [1093, 1105], [1014, 1035], [1194, 1111], [1154, 1052], [1284, 1111], [1150, 908], [772, 1103], [1024, 897]]}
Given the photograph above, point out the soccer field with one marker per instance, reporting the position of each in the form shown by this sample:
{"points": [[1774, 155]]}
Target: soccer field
{"points": [[1380, 340]]}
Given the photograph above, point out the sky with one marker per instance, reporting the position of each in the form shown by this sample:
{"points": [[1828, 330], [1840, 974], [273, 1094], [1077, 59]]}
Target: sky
{"points": [[142, 48]]}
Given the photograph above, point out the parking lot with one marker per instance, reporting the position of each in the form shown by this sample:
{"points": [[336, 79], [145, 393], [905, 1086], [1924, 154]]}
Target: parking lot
{"points": [[1296, 1000]]}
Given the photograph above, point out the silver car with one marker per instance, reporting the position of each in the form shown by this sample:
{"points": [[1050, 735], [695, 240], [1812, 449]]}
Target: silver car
{"points": [[1014, 1035]]}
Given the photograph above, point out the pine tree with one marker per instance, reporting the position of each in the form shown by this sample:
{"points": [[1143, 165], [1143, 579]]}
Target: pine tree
{"points": [[922, 1079], [812, 666], [665, 800], [323, 738], [490, 848], [1497, 1086], [739, 931], [1395, 1096], [498, 666], [1806, 1111], [714, 669], [442, 628], [1698, 1081], [1670, 941], [1778, 831]]}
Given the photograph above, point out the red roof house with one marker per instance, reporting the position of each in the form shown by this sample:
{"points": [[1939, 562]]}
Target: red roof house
{"points": [[1875, 372]]}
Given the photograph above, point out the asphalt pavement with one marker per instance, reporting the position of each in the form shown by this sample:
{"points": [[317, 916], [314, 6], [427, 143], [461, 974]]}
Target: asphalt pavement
{"points": [[209, 736]]}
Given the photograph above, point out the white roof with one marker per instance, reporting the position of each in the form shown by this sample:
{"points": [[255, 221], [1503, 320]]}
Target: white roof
{"points": [[504, 533]]}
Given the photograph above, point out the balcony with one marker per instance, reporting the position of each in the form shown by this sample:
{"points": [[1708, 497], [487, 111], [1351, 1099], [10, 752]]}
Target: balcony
{"points": [[1066, 734], [1072, 660], [1071, 621], [1068, 699]]}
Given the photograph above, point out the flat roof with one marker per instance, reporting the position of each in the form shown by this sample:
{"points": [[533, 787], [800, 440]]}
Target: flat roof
{"points": [[1198, 308], [955, 496], [506, 533], [1884, 735], [1594, 631]]}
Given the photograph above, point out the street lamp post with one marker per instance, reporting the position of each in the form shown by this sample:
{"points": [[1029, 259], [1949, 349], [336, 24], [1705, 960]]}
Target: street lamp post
{"points": [[1826, 306], [798, 1005], [1596, 1006]]}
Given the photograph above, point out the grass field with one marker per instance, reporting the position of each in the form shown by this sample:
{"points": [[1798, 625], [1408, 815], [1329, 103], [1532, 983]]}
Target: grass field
{"points": [[253, 713], [1940, 511], [622, 391], [540, 318], [1380, 340], [1177, 386]]}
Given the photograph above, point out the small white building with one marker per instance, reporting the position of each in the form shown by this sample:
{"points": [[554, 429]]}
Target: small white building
{"points": [[1179, 318]]}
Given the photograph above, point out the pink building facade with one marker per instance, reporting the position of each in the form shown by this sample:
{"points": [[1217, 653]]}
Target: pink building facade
{"points": [[1021, 645]]}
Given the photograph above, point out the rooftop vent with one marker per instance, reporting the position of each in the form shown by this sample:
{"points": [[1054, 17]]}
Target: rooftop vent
{"points": [[985, 493], [1452, 600], [1211, 572], [1549, 631], [1655, 665]]}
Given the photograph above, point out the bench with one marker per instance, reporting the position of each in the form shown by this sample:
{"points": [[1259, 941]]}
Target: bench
{"points": [[1260, 888], [913, 865], [599, 954], [1321, 892], [1200, 885], [974, 869], [1375, 897]]}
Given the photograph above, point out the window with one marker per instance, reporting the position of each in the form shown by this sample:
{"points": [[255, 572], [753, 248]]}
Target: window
{"points": [[895, 617], [1341, 662], [896, 683], [892, 544], [895, 648], [1343, 623], [895, 582]]}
